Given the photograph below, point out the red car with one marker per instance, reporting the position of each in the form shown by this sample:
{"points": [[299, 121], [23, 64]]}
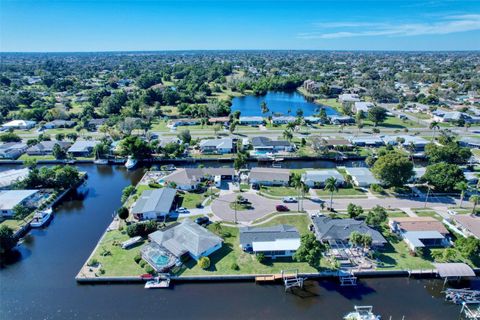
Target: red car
{"points": [[282, 208]]}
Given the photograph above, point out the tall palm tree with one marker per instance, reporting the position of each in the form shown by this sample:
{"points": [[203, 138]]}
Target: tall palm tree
{"points": [[288, 135], [331, 185], [297, 184], [434, 126], [305, 190], [462, 187], [475, 199]]}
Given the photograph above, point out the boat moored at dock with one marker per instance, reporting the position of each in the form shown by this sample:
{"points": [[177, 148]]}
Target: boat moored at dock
{"points": [[41, 218]]}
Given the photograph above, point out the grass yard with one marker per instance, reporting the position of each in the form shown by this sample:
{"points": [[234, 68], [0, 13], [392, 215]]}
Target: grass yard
{"points": [[190, 200], [342, 192], [396, 255], [159, 126], [25, 156], [120, 261], [279, 191], [394, 122], [231, 253], [428, 213]]}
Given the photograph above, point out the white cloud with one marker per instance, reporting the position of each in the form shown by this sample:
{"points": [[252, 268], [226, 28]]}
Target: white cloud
{"points": [[447, 25]]}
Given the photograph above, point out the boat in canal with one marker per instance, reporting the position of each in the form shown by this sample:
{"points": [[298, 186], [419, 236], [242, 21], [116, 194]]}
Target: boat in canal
{"points": [[41, 217], [101, 161], [362, 313], [131, 163], [158, 283]]}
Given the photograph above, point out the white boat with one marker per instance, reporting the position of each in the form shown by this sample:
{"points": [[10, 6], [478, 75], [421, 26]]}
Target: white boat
{"points": [[131, 163], [41, 217], [362, 313], [158, 283], [101, 161]]}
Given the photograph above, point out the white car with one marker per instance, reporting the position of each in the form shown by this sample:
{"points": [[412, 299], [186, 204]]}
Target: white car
{"points": [[451, 212], [289, 199], [182, 210]]}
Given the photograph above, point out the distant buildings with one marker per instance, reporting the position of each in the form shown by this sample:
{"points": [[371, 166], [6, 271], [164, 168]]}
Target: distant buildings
{"points": [[12, 150], [46, 147], [348, 97], [18, 124], [251, 121]]}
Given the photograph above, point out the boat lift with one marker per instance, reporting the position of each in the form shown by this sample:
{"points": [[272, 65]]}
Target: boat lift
{"points": [[347, 279], [292, 280]]}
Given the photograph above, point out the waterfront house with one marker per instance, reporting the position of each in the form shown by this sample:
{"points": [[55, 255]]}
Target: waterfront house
{"points": [[362, 177], [469, 225], [46, 147], [187, 237], [283, 120], [333, 231], [266, 145], [251, 121], [222, 120], [276, 241], [269, 176], [420, 232], [339, 143], [220, 146], [312, 120], [11, 198], [339, 120], [10, 177], [19, 125], [59, 124], [408, 140], [12, 150], [82, 148], [372, 142], [162, 142], [188, 179], [316, 178], [470, 142], [154, 203]]}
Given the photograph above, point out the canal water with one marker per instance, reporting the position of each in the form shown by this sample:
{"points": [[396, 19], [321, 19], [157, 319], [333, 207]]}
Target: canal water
{"points": [[284, 103], [38, 283]]}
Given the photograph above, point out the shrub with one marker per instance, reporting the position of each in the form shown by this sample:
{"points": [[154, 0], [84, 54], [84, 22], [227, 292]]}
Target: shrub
{"points": [[137, 258], [154, 185], [101, 271], [149, 269], [198, 205], [261, 258], [142, 263], [92, 262], [376, 188], [235, 266], [204, 262]]}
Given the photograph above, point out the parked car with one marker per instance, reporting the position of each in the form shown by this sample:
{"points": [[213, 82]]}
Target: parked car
{"points": [[242, 200], [202, 220], [289, 199], [281, 208], [255, 186], [452, 212], [182, 210]]}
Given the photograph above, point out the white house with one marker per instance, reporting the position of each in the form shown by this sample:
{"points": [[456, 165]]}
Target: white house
{"points": [[316, 178], [154, 203], [276, 241], [269, 176], [224, 145], [19, 124], [251, 121], [10, 198]]}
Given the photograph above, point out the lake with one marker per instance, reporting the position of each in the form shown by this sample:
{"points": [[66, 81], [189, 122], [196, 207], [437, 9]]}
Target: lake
{"points": [[278, 103], [39, 282]]}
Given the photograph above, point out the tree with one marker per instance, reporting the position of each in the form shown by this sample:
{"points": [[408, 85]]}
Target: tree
{"points": [[127, 192], [450, 152], [376, 216], [287, 135], [7, 239], [217, 227], [355, 238], [354, 211], [434, 126], [10, 137], [264, 107], [58, 152], [217, 128], [461, 186], [233, 126], [20, 212], [123, 213], [444, 176], [393, 169], [331, 186], [377, 115], [185, 136], [475, 199], [204, 263], [468, 247], [310, 250], [135, 147]]}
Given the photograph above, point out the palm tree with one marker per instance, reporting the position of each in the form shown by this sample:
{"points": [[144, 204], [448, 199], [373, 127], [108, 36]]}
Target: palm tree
{"points": [[462, 187], [217, 226], [475, 199], [264, 107], [288, 135], [331, 185], [433, 126], [297, 184], [305, 190]]}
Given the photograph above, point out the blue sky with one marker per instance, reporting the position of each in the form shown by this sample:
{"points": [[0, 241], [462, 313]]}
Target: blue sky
{"points": [[84, 25]]}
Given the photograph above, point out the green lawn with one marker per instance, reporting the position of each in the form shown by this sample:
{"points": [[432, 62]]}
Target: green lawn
{"points": [[428, 213], [394, 122], [279, 191], [342, 192], [396, 255], [190, 200], [223, 259], [36, 158], [120, 261]]}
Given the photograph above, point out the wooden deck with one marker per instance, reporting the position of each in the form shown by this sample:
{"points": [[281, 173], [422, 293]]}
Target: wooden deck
{"points": [[272, 277]]}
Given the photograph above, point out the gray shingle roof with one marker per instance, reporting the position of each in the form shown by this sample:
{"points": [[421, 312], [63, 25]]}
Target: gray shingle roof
{"points": [[156, 200], [186, 237], [267, 142], [340, 229], [248, 235]]}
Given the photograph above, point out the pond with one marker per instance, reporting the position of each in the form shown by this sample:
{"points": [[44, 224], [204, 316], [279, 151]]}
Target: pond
{"points": [[284, 103]]}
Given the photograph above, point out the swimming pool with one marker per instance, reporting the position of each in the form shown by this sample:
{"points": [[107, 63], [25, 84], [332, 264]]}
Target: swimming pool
{"points": [[160, 260]]}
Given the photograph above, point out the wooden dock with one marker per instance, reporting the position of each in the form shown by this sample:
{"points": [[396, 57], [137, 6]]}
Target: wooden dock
{"points": [[270, 278]]}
